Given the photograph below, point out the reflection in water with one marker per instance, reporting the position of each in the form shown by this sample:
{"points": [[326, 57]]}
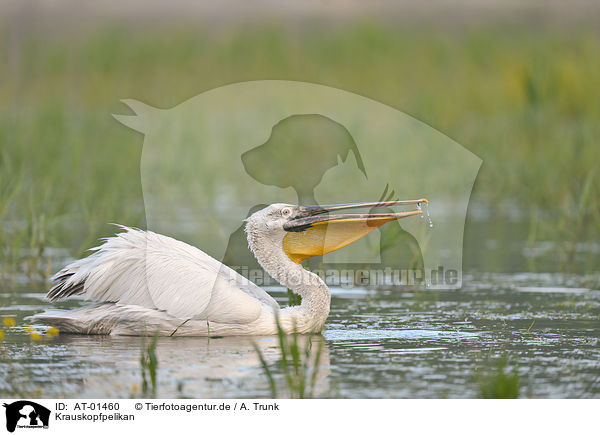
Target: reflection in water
{"points": [[107, 366], [377, 343]]}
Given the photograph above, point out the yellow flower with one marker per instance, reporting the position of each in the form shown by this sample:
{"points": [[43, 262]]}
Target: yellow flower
{"points": [[35, 336], [1, 334], [9, 321], [52, 332], [135, 388]]}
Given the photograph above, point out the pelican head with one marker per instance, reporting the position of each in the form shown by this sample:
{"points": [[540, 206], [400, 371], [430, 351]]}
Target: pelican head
{"points": [[308, 231]]}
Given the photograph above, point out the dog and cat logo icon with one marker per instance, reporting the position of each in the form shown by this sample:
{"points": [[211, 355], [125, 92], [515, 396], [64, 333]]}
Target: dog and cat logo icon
{"points": [[26, 414]]}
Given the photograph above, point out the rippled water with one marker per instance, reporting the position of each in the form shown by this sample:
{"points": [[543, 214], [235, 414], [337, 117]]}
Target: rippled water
{"points": [[377, 344]]}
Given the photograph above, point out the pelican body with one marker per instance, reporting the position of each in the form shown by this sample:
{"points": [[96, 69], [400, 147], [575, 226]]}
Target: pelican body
{"points": [[145, 283]]}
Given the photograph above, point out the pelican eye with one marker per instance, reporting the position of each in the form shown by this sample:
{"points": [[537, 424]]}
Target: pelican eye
{"points": [[285, 212]]}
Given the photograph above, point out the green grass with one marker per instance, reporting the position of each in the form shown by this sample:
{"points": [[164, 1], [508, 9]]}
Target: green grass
{"points": [[522, 99], [500, 384], [293, 298], [148, 366], [298, 364]]}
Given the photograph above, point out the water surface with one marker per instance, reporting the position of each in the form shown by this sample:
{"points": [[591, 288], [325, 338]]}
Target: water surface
{"points": [[377, 344]]}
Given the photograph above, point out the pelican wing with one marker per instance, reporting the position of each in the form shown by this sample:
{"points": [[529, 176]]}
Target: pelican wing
{"points": [[154, 271]]}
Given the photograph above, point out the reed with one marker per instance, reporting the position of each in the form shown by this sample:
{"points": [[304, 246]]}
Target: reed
{"points": [[298, 367], [148, 366], [499, 383], [522, 100]]}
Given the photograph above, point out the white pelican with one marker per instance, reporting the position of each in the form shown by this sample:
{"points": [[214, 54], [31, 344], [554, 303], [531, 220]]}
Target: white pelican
{"points": [[145, 282]]}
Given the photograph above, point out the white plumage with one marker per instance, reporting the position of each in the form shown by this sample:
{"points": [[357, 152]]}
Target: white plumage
{"points": [[149, 283], [148, 275], [143, 282]]}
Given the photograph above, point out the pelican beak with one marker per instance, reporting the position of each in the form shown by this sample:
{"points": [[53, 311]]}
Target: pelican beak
{"points": [[316, 231]]}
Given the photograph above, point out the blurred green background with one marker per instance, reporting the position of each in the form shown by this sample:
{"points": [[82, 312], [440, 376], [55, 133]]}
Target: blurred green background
{"points": [[518, 87]]}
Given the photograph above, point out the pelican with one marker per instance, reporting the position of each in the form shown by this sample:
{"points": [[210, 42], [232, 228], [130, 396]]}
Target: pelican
{"points": [[145, 283]]}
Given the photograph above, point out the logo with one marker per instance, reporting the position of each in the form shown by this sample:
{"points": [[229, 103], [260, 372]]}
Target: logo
{"points": [[26, 414], [215, 159]]}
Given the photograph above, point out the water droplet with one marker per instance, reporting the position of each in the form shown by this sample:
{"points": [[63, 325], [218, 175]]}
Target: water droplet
{"points": [[428, 216]]}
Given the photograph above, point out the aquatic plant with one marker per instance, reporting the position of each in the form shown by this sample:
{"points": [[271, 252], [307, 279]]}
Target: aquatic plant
{"points": [[148, 366], [299, 369], [500, 384], [294, 299], [19, 381]]}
